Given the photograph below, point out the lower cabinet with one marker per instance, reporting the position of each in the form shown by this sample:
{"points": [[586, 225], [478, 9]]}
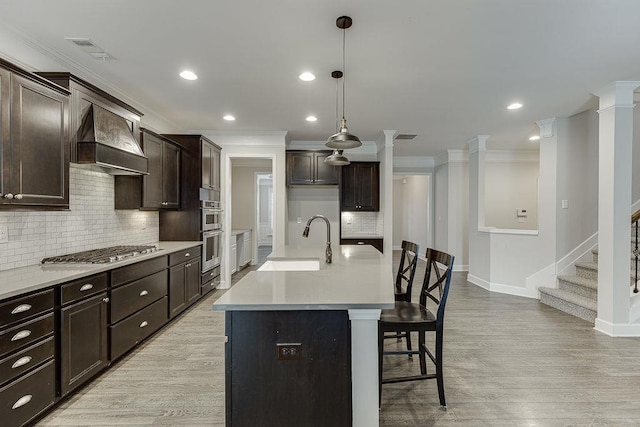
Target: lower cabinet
{"points": [[27, 357], [129, 332], [138, 303], [184, 286], [84, 329], [209, 280], [28, 396]]}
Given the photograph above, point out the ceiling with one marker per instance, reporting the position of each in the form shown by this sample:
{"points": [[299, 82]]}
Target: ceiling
{"points": [[445, 70]]}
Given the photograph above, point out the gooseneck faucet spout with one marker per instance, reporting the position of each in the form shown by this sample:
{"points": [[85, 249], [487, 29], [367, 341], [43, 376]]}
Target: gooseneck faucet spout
{"points": [[327, 253]]}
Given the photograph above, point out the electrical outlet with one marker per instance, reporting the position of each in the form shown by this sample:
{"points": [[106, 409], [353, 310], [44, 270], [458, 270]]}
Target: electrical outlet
{"points": [[289, 351], [4, 234]]}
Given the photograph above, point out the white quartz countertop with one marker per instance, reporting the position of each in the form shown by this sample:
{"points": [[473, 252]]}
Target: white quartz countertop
{"points": [[235, 232], [358, 278], [35, 277], [361, 236]]}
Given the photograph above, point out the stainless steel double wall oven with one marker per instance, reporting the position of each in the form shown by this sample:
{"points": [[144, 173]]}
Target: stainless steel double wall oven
{"points": [[211, 218]]}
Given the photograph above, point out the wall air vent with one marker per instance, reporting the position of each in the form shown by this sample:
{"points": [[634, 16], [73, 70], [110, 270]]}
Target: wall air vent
{"points": [[91, 48], [406, 135]]}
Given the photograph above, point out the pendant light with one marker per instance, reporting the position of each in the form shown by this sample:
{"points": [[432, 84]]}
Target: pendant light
{"points": [[337, 158], [343, 139]]}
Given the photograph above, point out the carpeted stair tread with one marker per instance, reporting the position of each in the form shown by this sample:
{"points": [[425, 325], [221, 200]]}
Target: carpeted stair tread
{"points": [[570, 303], [587, 265], [581, 281]]}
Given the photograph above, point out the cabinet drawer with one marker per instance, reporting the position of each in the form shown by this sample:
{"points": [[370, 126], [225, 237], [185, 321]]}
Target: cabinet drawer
{"points": [[185, 255], [24, 307], [28, 396], [137, 270], [26, 359], [82, 288], [25, 334], [208, 276], [129, 332], [208, 287], [130, 298]]}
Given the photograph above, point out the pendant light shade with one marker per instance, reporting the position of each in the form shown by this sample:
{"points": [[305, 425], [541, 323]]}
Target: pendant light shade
{"points": [[343, 140], [337, 159]]}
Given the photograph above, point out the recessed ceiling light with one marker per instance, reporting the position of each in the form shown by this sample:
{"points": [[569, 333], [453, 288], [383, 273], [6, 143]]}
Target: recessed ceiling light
{"points": [[514, 106], [312, 118], [229, 117], [188, 75], [534, 138], [307, 76]]}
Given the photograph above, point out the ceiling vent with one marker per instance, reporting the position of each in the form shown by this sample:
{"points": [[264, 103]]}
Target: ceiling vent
{"points": [[406, 136], [91, 48]]}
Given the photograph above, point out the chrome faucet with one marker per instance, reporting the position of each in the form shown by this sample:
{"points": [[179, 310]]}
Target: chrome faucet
{"points": [[305, 233]]}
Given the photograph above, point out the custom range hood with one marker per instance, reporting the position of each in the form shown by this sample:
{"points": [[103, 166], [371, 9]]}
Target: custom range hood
{"points": [[105, 139]]}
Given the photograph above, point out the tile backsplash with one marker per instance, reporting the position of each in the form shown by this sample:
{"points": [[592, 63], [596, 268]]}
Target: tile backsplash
{"points": [[362, 224], [90, 223]]}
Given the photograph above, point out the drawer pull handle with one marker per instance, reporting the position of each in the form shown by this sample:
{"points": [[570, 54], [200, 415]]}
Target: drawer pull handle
{"points": [[22, 401], [361, 243], [21, 362], [106, 299], [187, 254], [143, 324], [212, 273], [143, 293], [21, 308], [21, 335], [86, 287]]}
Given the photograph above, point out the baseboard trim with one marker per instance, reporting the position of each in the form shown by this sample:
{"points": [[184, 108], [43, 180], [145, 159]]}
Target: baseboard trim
{"points": [[461, 267], [502, 288], [617, 329]]}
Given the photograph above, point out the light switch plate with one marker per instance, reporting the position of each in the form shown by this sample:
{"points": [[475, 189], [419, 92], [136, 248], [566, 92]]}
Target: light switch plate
{"points": [[4, 234]]}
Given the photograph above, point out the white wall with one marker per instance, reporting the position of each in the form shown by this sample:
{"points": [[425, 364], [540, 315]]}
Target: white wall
{"points": [[244, 196], [91, 222], [577, 180], [511, 184], [441, 208], [302, 204], [635, 195], [411, 214]]}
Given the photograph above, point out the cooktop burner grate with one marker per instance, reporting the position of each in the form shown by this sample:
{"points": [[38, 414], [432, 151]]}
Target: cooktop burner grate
{"points": [[101, 256]]}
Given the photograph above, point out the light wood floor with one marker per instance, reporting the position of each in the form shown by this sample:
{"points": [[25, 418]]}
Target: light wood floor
{"points": [[509, 361]]}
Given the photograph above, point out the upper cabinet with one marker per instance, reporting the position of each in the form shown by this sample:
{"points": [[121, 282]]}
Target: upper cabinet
{"points": [[308, 168], [210, 165], [360, 187], [34, 145], [160, 189]]}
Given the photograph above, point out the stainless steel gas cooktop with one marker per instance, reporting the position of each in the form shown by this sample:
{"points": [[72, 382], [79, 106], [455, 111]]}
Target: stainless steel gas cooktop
{"points": [[101, 256]]}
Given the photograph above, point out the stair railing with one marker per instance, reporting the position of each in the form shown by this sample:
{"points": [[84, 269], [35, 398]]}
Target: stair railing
{"points": [[635, 220]]}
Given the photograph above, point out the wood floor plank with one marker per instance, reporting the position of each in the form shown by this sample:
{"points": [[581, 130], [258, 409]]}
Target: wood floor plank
{"points": [[509, 362]]}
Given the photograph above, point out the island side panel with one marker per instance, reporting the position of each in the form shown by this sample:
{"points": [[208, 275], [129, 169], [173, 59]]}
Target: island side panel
{"points": [[314, 390]]}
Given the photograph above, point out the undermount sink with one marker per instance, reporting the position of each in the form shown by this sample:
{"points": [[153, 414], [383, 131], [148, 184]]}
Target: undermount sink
{"points": [[291, 264]]}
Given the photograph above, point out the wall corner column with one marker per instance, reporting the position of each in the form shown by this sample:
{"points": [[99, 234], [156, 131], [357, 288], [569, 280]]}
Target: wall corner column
{"points": [[614, 208]]}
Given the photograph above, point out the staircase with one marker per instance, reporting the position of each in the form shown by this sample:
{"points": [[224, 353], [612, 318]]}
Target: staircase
{"points": [[578, 294]]}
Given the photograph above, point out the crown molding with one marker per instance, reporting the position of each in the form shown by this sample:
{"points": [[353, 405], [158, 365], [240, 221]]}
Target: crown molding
{"points": [[246, 138]]}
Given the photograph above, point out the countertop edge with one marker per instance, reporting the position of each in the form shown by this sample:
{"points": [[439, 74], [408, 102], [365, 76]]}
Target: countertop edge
{"points": [[42, 283]]}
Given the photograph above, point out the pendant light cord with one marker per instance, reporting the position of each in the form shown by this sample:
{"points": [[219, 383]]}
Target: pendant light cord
{"points": [[337, 100], [344, 71]]}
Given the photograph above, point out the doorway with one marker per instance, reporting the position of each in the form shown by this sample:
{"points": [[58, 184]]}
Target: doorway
{"points": [[413, 210]]}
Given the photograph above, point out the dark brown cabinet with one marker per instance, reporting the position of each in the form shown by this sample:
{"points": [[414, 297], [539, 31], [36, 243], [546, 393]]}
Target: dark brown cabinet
{"points": [[360, 187], [34, 157], [184, 285], [84, 329], [161, 188], [308, 168], [210, 165], [138, 303], [27, 357]]}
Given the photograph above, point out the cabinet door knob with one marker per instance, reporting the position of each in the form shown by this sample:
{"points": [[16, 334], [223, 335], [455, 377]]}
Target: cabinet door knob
{"points": [[22, 401], [105, 299], [21, 362], [21, 335], [19, 196], [86, 287], [143, 293], [143, 324], [187, 265], [21, 308], [187, 254], [8, 196]]}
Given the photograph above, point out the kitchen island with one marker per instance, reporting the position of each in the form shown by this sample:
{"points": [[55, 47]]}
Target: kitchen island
{"points": [[296, 339]]}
